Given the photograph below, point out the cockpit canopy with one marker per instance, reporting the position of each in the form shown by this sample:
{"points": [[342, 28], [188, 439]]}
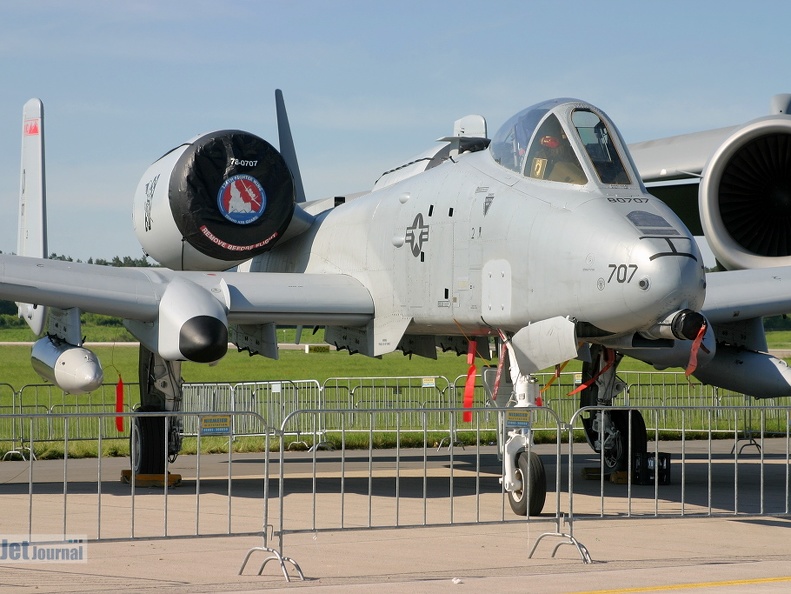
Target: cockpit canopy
{"points": [[562, 140]]}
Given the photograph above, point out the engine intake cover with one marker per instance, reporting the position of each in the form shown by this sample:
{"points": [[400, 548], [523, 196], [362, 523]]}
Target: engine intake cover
{"points": [[223, 198]]}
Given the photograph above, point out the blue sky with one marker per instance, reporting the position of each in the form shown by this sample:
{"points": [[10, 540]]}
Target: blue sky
{"points": [[367, 84]]}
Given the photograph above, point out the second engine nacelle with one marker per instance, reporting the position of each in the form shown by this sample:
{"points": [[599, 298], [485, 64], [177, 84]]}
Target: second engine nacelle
{"points": [[745, 196], [214, 202]]}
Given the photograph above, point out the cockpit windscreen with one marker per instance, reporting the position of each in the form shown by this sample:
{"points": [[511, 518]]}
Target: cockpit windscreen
{"points": [[597, 142], [551, 156], [561, 140]]}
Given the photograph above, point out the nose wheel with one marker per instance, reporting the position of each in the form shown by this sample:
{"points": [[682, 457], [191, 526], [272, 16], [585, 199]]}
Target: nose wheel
{"points": [[529, 498]]}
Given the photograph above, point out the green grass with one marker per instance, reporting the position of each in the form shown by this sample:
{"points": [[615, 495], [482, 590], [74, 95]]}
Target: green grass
{"points": [[122, 359], [293, 364]]}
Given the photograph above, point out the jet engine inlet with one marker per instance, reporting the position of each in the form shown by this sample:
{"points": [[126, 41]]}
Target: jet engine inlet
{"points": [[745, 196]]}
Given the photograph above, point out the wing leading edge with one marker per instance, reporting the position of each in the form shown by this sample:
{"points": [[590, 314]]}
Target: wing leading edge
{"points": [[148, 295]]}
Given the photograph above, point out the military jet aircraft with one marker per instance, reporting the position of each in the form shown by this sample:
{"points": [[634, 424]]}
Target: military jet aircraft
{"points": [[543, 237]]}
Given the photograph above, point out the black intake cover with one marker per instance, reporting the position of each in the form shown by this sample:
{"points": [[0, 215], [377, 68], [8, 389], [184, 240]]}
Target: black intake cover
{"points": [[231, 195]]}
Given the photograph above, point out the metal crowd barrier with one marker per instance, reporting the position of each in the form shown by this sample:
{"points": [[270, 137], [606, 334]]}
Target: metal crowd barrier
{"points": [[745, 470], [360, 487], [275, 400], [50, 405], [98, 497], [271, 400]]}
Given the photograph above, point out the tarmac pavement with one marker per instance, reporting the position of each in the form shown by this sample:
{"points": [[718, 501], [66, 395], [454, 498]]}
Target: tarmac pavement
{"points": [[738, 553]]}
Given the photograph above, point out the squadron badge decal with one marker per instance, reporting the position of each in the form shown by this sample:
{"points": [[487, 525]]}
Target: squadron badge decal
{"points": [[241, 199]]}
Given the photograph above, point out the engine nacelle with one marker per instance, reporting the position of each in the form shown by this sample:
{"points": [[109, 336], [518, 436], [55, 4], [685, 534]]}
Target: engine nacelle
{"points": [[214, 202], [192, 325], [73, 369], [745, 196]]}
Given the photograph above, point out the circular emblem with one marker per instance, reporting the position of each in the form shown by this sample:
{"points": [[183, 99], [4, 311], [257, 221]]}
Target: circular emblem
{"points": [[241, 199]]}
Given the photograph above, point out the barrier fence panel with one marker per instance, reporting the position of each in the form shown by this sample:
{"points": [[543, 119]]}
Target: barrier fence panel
{"points": [[403, 485], [271, 400], [386, 394], [719, 473], [10, 427], [206, 495], [275, 400], [46, 398]]}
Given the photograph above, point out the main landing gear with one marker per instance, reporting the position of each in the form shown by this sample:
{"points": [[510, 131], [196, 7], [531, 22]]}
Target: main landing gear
{"points": [[160, 390], [609, 432]]}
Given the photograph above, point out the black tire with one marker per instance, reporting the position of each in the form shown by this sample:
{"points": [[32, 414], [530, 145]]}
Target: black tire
{"points": [[147, 441], [619, 459], [530, 470]]}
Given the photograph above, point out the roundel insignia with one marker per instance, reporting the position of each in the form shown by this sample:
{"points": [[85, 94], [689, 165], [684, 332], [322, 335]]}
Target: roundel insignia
{"points": [[241, 199]]}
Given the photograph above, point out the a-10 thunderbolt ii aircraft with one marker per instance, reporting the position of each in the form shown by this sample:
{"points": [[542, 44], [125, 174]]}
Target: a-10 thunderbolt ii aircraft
{"points": [[542, 236]]}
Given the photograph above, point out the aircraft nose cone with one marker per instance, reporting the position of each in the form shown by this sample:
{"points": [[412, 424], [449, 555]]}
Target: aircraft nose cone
{"points": [[646, 265], [670, 276]]}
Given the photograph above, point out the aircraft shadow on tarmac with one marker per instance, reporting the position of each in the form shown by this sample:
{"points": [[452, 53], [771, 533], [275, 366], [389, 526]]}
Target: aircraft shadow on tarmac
{"points": [[698, 486]]}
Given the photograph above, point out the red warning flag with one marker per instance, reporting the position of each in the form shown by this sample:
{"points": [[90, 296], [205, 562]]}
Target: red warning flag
{"points": [[469, 386], [119, 404], [693, 352]]}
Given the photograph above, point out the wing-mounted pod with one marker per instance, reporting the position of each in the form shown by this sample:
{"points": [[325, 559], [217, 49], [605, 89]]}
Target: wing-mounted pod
{"points": [[214, 202], [745, 196], [74, 369], [61, 358]]}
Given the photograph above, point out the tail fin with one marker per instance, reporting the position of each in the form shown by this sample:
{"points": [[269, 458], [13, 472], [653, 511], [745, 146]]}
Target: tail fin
{"points": [[286, 142], [32, 235]]}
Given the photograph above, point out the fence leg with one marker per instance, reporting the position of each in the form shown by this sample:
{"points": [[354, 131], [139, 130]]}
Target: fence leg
{"points": [[273, 556], [20, 451], [569, 540]]}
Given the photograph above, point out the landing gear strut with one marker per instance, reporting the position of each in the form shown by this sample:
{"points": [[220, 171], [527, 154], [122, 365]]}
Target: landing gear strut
{"points": [[160, 390], [609, 431], [524, 479]]}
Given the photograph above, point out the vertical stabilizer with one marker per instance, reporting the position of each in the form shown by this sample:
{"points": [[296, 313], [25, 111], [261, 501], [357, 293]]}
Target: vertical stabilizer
{"points": [[32, 233], [286, 141]]}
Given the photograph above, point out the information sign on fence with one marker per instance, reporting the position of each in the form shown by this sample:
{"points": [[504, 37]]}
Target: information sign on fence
{"points": [[215, 425]]}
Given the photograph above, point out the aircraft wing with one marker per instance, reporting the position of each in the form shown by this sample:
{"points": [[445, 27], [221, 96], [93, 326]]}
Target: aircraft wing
{"points": [[745, 294], [175, 299], [677, 157]]}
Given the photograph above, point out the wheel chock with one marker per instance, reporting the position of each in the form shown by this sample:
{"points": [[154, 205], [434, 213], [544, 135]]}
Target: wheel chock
{"points": [[150, 480]]}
